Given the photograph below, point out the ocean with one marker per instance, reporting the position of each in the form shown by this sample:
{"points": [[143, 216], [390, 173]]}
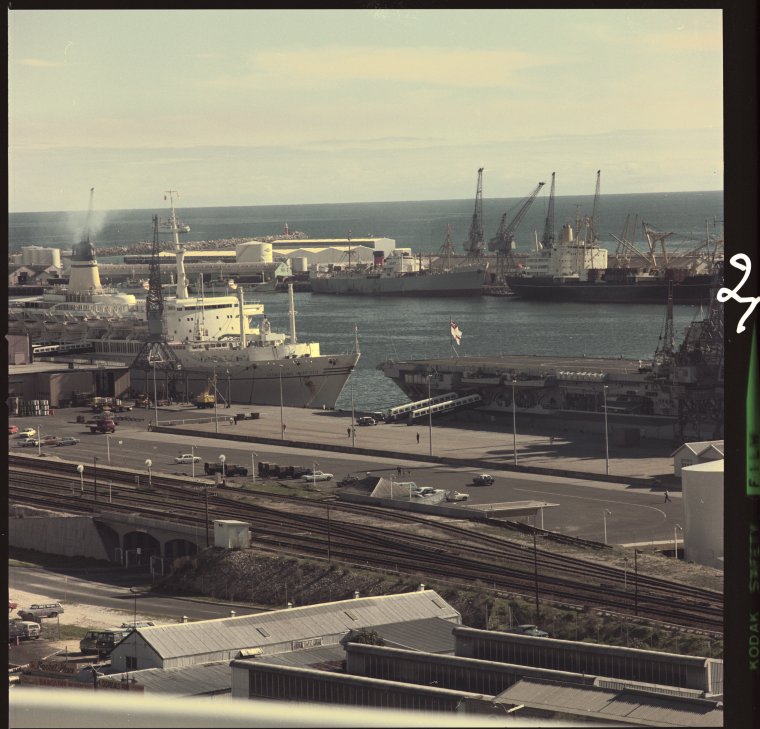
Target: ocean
{"points": [[405, 328]]}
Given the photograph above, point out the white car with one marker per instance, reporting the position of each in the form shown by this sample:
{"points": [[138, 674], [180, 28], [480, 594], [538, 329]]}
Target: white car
{"points": [[187, 458], [28, 443], [317, 476]]}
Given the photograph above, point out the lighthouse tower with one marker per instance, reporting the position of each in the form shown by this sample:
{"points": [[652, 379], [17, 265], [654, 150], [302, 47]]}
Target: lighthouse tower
{"points": [[84, 277]]}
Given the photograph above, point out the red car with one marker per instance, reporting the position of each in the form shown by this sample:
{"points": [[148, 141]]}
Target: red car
{"points": [[12, 606], [12, 429]]}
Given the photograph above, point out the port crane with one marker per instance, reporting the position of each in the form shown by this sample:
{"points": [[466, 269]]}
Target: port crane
{"points": [[504, 241], [473, 246], [548, 238]]}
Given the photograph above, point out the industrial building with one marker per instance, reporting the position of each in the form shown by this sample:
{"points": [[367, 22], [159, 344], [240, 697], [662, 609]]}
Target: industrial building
{"points": [[280, 631], [690, 454]]}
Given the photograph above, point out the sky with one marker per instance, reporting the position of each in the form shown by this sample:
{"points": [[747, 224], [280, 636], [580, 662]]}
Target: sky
{"points": [[260, 107]]}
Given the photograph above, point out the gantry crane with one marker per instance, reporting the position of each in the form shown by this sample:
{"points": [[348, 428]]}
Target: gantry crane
{"points": [[504, 241], [473, 246]]}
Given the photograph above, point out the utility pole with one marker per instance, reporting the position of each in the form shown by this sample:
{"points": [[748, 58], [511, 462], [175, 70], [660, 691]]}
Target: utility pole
{"points": [[535, 575]]}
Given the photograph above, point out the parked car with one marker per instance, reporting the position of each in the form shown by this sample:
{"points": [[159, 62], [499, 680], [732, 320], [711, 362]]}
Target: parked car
{"points": [[528, 630], [23, 629], [41, 610], [426, 491], [12, 429], [50, 440], [187, 458], [482, 479], [138, 624], [317, 476], [366, 420], [456, 496], [26, 433], [67, 441], [109, 639], [28, 443], [12, 605]]}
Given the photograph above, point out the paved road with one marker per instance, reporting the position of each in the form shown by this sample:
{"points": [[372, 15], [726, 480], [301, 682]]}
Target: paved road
{"points": [[638, 515], [106, 589]]}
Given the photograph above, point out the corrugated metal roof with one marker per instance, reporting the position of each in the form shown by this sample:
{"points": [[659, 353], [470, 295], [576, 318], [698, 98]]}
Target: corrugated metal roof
{"points": [[187, 681], [323, 658], [429, 635], [605, 704], [309, 621]]}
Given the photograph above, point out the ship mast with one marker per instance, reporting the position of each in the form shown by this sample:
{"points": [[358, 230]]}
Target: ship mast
{"points": [[474, 243], [174, 229]]}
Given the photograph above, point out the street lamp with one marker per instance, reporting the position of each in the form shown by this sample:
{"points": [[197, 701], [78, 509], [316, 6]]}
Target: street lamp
{"points": [[80, 468], [254, 456], [282, 420], [155, 394], [192, 458], [228, 389], [606, 434], [514, 422], [216, 404], [430, 413], [625, 574], [675, 537], [222, 459], [95, 477], [605, 513], [353, 413], [108, 448], [149, 464], [39, 440]]}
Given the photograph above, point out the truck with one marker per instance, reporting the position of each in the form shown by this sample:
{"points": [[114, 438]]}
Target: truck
{"points": [[275, 471], [228, 469], [102, 426], [482, 479], [204, 400]]}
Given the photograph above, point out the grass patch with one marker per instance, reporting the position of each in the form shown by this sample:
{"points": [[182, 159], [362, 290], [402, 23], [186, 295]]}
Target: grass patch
{"points": [[52, 631]]}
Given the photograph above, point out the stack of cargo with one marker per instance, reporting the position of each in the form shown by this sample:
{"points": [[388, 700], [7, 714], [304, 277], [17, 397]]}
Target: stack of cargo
{"points": [[23, 408]]}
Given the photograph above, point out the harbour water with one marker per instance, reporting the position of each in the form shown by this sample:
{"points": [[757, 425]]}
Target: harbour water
{"points": [[406, 328]]}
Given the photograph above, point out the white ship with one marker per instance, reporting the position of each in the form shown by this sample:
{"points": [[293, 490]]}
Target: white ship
{"points": [[219, 338], [402, 274]]}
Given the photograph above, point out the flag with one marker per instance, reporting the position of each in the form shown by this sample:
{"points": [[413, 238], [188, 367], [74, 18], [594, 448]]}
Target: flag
{"points": [[456, 332]]}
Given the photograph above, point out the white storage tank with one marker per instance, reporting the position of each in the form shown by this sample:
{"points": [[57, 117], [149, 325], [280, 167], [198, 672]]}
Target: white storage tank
{"points": [[702, 488], [299, 264], [253, 252]]}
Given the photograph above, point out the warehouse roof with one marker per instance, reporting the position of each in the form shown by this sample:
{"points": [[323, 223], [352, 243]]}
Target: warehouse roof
{"points": [[430, 635], [626, 706], [197, 680], [279, 626]]}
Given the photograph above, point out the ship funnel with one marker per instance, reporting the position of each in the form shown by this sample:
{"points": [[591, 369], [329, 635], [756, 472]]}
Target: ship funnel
{"points": [[84, 276]]}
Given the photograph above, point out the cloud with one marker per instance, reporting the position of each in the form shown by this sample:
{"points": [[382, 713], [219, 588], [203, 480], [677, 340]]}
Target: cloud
{"points": [[334, 65], [39, 63]]}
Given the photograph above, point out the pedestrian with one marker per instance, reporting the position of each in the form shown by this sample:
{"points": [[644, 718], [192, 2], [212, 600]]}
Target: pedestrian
{"points": [[551, 440], [667, 498], [418, 438], [398, 468], [348, 432]]}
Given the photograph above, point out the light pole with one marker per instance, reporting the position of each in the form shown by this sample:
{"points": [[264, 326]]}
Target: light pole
{"points": [[625, 574], [430, 414], [222, 459], [39, 440], [282, 418], [229, 405], [606, 434], [149, 464], [675, 538], [95, 477], [605, 513], [635, 581], [514, 423], [108, 448], [192, 454], [535, 575], [155, 393], [254, 456], [353, 413], [216, 404], [80, 469]]}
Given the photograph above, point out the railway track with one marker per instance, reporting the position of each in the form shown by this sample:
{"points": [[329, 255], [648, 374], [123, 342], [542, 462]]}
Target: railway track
{"points": [[402, 542]]}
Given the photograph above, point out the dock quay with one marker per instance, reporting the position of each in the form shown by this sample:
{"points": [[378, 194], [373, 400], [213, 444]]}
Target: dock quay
{"points": [[484, 446]]}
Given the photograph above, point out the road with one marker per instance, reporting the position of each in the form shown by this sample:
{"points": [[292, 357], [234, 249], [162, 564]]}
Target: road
{"points": [[109, 589], [584, 508]]}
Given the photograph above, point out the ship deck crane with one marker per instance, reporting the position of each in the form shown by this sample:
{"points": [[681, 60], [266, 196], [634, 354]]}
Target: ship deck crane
{"points": [[504, 241], [548, 239], [473, 246]]}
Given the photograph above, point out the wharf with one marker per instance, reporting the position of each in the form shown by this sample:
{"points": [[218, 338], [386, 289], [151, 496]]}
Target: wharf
{"points": [[484, 446]]}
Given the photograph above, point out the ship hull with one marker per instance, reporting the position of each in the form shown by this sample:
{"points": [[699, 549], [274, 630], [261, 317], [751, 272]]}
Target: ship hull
{"points": [[692, 290], [453, 283], [314, 382]]}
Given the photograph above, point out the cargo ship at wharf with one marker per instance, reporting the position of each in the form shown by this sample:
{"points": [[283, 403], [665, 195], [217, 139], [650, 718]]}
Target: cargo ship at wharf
{"points": [[677, 395]]}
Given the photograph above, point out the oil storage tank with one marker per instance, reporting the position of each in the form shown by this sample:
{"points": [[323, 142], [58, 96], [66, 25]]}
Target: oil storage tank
{"points": [[253, 252]]}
